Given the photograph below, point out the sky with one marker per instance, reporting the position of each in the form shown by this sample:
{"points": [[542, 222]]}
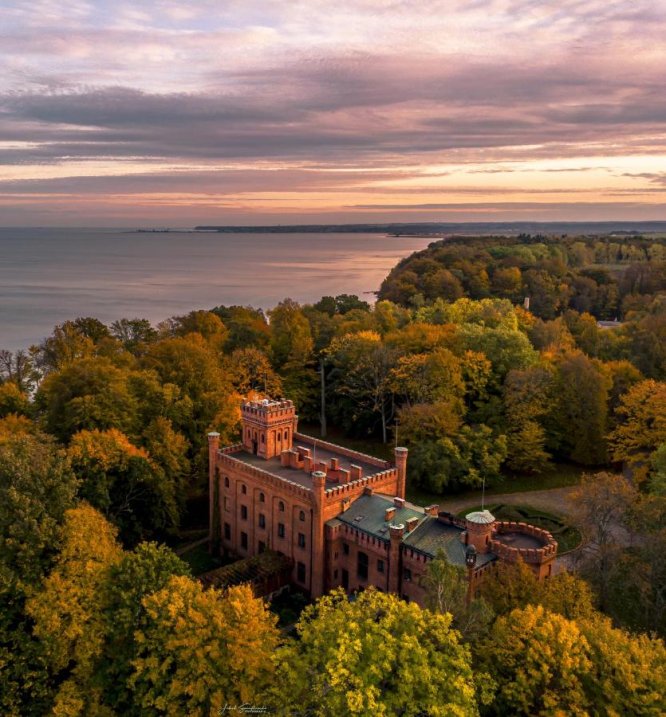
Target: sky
{"points": [[299, 111]]}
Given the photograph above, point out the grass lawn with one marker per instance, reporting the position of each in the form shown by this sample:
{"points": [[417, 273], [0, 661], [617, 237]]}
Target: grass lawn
{"points": [[568, 537], [561, 475]]}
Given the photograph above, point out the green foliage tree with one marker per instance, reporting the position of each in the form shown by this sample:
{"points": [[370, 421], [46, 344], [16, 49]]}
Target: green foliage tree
{"points": [[376, 655], [37, 487], [447, 589], [87, 393], [138, 574], [580, 415]]}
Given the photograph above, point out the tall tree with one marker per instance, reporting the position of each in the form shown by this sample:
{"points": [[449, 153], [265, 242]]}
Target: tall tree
{"points": [[68, 610]]}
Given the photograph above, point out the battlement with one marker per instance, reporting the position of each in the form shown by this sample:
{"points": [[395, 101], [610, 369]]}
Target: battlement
{"points": [[511, 541]]}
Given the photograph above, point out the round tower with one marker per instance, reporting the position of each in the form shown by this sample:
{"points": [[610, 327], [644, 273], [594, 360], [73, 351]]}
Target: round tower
{"points": [[479, 525]]}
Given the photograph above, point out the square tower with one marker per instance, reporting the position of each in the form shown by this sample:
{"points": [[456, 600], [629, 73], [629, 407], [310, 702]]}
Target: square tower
{"points": [[268, 426]]}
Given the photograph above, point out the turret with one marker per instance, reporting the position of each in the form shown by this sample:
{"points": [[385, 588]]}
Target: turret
{"points": [[268, 426], [479, 526], [401, 465]]}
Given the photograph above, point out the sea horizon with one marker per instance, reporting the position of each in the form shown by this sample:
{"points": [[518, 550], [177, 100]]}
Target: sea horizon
{"points": [[52, 274]]}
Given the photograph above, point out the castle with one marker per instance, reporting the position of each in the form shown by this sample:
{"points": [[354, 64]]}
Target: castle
{"points": [[341, 517]]}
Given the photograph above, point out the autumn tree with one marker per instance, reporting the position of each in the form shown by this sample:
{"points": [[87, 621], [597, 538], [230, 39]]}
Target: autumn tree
{"points": [[540, 662], [376, 655], [68, 610], [642, 426], [628, 671], [251, 372], [13, 400], [125, 483], [601, 506], [199, 651]]}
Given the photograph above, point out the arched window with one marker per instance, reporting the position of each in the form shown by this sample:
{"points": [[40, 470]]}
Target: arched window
{"points": [[281, 507], [286, 435], [243, 489], [301, 516], [226, 481], [262, 498]]}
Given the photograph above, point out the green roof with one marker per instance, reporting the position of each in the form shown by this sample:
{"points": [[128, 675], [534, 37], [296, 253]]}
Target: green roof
{"points": [[368, 513], [432, 535]]}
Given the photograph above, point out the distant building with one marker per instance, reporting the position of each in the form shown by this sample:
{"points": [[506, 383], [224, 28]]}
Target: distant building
{"points": [[340, 516]]}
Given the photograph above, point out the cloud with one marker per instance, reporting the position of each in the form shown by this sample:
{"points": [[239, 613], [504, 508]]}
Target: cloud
{"points": [[489, 88]]}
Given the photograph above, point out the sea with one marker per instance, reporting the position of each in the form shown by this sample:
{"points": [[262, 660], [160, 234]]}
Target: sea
{"points": [[50, 275]]}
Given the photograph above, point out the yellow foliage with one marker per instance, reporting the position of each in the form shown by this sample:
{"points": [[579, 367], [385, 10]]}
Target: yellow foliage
{"points": [[109, 448]]}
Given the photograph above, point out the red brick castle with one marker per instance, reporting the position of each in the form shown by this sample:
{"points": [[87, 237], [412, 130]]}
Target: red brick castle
{"points": [[341, 516]]}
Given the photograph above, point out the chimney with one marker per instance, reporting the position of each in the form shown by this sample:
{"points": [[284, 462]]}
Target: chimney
{"points": [[411, 524], [432, 510], [399, 502], [389, 513], [356, 472]]}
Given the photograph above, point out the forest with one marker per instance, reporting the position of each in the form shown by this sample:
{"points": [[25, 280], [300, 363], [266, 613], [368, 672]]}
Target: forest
{"points": [[103, 433]]}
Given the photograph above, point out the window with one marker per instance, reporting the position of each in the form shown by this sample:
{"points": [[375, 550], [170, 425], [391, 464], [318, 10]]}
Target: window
{"points": [[243, 512], [281, 507], [227, 531], [244, 489], [286, 435], [301, 516], [226, 481], [335, 574], [345, 548], [226, 504], [380, 566], [345, 579], [406, 575], [262, 520], [279, 437], [301, 540], [362, 565], [244, 541], [263, 438], [300, 572], [262, 498], [261, 547], [280, 530]]}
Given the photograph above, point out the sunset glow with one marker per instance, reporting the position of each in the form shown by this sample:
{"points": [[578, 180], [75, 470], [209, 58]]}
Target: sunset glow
{"points": [[244, 112]]}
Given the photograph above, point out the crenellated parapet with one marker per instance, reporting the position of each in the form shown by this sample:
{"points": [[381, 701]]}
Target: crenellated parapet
{"points": [[542, 546]]}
